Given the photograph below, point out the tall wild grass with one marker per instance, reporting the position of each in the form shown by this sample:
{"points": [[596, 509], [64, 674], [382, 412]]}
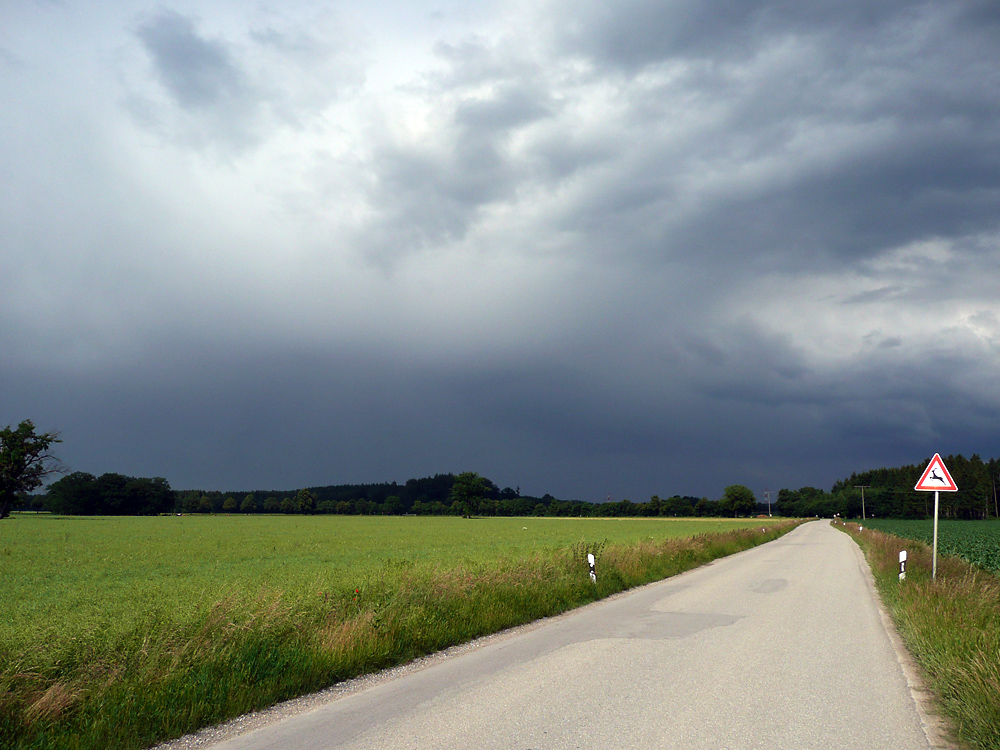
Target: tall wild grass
{"points": [[148, 666], [950, 624]]}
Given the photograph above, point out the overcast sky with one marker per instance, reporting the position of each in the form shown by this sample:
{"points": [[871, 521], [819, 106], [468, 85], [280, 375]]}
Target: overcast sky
{"points": [[584, 248]]}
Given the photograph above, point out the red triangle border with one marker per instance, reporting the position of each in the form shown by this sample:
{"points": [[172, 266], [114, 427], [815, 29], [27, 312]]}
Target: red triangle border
{"points": [[949, 485]]}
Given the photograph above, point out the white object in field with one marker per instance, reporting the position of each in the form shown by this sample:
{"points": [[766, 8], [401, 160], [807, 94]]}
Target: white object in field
{"points": [[590, 560], [902, 565]]}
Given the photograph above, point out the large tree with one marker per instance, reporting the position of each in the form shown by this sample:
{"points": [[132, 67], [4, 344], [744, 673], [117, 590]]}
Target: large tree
{"points": [[305, 501], [740, 500], [82, 494], [469, 491], [75, 494], [24, 462]]}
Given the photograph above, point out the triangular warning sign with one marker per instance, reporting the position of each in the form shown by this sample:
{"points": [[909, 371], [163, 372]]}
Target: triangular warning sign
{"points": [[936, 477]]}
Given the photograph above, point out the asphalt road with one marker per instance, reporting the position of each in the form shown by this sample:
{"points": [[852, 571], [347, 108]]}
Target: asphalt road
{"points": [[777, 647]]}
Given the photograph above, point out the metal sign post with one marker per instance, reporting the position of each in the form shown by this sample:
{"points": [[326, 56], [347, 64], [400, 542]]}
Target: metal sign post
{"points": [[934, 555], [936, 479]]}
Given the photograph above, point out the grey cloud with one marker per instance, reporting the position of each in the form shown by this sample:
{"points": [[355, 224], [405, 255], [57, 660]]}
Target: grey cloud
{"points": [[817, 217], [298, 44], [578, 424], [917, 159], [890, 405], [744, 363], [981, 14], [196, 71], [511, 108], [636, 32], [235, 94], [882, 294], [917, 115], [473, 61], [877, 340], [424, 200], [427, 195], [986, 319], [781, 142], [9, 59], [305, 65]]}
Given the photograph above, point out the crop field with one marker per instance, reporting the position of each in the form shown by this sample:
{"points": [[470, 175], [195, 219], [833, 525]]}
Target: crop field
{"points": [[118, 632], [977, 542]]}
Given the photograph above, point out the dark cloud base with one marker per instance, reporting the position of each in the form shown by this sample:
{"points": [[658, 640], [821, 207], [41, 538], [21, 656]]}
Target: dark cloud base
{"points": [[222, 422]]}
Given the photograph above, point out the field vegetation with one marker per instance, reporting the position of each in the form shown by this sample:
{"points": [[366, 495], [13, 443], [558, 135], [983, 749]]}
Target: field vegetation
{"points": [[951, 625], [120, 632], [976, 542]]}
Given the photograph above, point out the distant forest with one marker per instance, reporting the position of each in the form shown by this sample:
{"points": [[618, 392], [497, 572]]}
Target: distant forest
{"points": [[888, 494], [443, 494]]}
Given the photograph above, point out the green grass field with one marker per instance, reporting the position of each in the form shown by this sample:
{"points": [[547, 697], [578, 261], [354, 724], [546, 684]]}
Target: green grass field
{"points": [[122, 631], [977, 542]]}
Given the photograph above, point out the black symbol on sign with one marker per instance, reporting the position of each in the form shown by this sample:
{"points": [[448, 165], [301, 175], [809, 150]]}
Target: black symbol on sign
{"points": [[934, 475]]}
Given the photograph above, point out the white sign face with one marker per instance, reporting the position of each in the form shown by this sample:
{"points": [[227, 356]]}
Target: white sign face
{"points": [[936, 478], [902, 556], [590, 559]]}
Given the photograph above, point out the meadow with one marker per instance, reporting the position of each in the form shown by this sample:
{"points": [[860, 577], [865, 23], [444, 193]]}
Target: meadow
{"points": [[976, 542], [120, 632]]}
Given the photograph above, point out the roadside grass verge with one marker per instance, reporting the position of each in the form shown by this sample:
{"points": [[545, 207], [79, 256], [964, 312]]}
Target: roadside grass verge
{"points": [[950, 625], [148, 672]]}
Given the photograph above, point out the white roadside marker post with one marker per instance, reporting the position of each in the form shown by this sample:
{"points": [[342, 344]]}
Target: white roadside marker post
{"points": [[902, 565], [936, 479], [593, 573]]}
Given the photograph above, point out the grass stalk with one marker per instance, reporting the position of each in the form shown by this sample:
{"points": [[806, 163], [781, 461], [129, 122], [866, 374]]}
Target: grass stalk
{"points": [[170, 673], [951, 626]]}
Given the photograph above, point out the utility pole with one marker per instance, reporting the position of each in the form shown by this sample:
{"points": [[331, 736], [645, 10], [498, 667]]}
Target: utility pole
{"points": [[767, 496], [862, 487]]}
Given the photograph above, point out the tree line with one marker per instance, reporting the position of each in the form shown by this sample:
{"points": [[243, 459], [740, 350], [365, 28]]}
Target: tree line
{"points": [[82, 494], [465, 494], [889, 493], [25, 460]]}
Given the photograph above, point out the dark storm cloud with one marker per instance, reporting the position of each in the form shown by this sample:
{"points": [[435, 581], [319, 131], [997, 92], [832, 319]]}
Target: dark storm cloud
{"points": [[880, 127], [231, 419], [634, 248], [912, 189], [635, 33], [721, 412]]}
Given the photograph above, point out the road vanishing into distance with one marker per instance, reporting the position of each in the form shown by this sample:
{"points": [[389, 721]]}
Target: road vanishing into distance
{"points": [[780, 647]]}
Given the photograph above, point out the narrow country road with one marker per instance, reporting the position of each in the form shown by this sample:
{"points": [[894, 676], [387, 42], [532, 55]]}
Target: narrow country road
{"points": [[779, 647]]}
